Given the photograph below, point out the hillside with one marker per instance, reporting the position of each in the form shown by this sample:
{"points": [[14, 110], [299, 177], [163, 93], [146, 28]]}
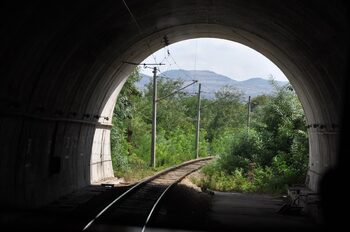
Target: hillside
{"points": [[212, 82]]}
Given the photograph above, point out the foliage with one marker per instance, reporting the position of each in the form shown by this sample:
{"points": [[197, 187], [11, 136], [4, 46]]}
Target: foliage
{"points": [[245, 146], [226, 111], [271, 155], [267, 157], [131, 133]]}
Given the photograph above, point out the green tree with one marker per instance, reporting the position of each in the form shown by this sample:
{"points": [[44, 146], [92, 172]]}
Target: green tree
{"points": [[123, 114], [271, 155], [131, 133], [227, 111], [278, 122]]}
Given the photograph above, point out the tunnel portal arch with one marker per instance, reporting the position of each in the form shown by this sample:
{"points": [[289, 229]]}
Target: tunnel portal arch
{"points": [[62, 68]]}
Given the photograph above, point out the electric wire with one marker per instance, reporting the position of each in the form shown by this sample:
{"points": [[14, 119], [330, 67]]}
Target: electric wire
{"points": [[139, 28]]}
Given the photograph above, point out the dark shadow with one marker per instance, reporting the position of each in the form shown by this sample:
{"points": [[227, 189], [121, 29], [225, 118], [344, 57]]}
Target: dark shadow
{"points": [[69, 213], [187, 209], [333, 185]]}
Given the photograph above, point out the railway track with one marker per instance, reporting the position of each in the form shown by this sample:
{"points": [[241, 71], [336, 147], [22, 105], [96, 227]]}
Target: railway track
{"points": [[135, 207]]}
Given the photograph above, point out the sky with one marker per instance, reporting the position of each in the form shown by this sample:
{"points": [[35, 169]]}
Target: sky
{"points": [[224, 57]]}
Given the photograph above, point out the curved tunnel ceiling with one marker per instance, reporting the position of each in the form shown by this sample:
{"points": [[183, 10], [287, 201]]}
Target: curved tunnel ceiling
{"points": [[64, 60], [81, 47]]}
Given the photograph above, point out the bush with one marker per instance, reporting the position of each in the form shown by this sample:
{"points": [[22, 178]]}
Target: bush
{"points": [[244, 147], [268, 158]]}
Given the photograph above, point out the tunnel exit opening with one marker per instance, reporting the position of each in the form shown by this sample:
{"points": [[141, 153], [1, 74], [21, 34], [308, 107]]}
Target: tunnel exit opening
{"points": [[302, 92], [132, 144], [310, 181]]}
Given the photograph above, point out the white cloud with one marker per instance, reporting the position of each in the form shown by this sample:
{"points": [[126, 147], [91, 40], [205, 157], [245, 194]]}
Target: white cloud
{"points": [[224, 57]]}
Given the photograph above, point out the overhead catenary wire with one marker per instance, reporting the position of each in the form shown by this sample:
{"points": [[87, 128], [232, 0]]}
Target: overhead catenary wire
{"points": [[139, 29], [173, 59], [166, 53], [162, 74], [180, 69], [165, 40], [133, 17]]}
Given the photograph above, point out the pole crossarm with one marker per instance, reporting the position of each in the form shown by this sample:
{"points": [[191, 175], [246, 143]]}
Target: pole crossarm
{"points": [[176, 91], [144, 64]]}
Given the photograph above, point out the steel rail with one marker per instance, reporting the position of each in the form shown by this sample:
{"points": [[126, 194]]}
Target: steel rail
{"points": [[144, 182], [161, 198]]}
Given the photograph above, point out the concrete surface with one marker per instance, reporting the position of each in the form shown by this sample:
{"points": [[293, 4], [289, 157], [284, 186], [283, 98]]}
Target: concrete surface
{"points": [[244, 212], [188, 209]]}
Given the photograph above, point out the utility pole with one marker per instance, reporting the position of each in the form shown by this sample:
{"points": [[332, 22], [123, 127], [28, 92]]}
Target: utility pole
{"points": [[154, 112], [249, 109], [198, 120], [154, 119]]}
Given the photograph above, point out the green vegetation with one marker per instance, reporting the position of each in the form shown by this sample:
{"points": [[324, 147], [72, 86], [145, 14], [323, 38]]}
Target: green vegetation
{"points": [[269, 155], [131, 133]]}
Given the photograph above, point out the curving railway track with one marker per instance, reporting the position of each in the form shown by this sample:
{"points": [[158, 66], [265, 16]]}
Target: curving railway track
{"points": [[135, 207]]}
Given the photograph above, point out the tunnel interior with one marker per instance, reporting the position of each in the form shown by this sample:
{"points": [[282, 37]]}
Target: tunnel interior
{"points": [[62, 69]]}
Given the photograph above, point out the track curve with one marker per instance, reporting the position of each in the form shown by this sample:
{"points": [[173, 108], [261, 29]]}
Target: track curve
{"points": [[136, 206]]}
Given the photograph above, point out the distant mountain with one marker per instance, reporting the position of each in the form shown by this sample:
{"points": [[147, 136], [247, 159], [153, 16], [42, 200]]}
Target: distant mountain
{"points": [[212, 82]]}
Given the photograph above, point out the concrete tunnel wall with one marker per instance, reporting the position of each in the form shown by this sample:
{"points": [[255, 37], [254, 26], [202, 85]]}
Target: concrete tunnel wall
{"points": [[61, 70]]}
